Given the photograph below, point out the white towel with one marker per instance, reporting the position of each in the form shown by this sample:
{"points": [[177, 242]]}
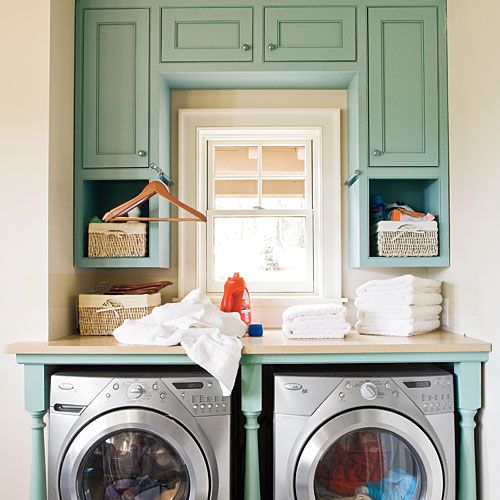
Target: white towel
{"points": [[398, 299], [399, 312], [403, 328], [321, 321], [209, 336], [292, 332], [404, 283], [313, 310]]}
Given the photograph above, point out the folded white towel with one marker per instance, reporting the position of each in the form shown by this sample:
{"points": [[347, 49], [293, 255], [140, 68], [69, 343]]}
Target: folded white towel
{"points": [[403, 328], [292, 332], [398, 299], [209, 336], [325, 321], [401, 312], [313, 310], [404, 283]]}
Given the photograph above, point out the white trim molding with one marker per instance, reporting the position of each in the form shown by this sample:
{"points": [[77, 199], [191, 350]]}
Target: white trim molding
{"points": [[197, 127]]}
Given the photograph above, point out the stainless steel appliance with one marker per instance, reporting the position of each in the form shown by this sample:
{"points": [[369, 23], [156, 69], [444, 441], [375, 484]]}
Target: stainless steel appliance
{"points": [[151, 436], [378, 434]]}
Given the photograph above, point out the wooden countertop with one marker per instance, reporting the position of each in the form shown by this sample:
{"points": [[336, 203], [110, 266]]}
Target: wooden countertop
{"points": [[273, 342]]}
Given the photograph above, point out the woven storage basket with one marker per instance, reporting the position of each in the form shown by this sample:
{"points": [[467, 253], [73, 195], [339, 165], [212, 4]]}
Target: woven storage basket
{"points": [[101, 314], [117, 239], [405, 239]]}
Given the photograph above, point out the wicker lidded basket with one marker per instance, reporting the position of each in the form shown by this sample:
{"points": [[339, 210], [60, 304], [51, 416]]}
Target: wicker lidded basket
{"points": [[117, 239], [405, 239], [101, 314]]}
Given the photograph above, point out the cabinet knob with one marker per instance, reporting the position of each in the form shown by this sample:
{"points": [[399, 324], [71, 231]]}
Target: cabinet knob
{"points": [[377, 152], [245, 47], [271, 46], [141, 152]]}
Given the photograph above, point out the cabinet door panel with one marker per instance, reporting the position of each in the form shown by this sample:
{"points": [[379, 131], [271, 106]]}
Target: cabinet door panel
{"points": [[206, 34], [310, 33], [403, 87], [115, 88]]}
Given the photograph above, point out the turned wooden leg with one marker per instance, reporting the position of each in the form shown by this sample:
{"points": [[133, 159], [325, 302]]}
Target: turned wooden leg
{"points": [[251, 404]]}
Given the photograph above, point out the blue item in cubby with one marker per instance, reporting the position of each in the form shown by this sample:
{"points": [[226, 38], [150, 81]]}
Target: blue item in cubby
{"points": [[377, 209], [255, 330]]}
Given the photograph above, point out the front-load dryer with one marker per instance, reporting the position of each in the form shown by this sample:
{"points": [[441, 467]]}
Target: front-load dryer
{"points": [[371, 435], [142, 436]]}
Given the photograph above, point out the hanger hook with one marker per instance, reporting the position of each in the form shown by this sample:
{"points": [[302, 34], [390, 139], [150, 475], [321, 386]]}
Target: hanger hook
{"points": [[161, 175]]}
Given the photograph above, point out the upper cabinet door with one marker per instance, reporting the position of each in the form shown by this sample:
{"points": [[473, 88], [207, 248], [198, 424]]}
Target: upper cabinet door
{"points": [[310, 34], [115, 104], [206, 34], [403, 86]]}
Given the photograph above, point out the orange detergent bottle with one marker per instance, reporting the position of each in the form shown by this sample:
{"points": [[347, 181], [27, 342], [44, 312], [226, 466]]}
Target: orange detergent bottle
{"points": [[236, 298]]}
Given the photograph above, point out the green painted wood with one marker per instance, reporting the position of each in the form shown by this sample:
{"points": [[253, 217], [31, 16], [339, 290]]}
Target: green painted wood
{"points": [[310, 33], [251, 406], [206, 34], [468, 392], [115, 94], [403, 86], [36, 404]]}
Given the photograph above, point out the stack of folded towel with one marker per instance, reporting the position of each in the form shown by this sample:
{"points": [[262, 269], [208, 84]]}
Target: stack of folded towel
{"points": [[318, 321], [401, 306]]}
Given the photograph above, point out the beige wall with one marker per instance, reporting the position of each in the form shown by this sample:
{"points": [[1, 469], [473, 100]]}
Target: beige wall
{"points": [[472, 281]]}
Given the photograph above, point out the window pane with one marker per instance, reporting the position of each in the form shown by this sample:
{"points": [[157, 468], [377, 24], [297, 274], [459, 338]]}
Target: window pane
{"points": [[236, 160], [261, 249], [283, 194], [283, 160], [232, 194]]}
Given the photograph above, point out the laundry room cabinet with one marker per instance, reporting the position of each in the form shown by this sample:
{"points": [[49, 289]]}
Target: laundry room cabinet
{"points": [[403, 87]]}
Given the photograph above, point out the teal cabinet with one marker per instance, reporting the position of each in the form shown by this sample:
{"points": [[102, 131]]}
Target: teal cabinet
{"points": [[310, 33], [206, 34], [115, 88], [403, 87]]}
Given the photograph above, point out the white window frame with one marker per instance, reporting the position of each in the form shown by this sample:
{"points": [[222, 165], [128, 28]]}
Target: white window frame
{"points": [[197, 127], [207, 141]]}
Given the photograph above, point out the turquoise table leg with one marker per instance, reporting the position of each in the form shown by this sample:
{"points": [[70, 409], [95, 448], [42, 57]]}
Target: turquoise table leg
{"points": [[35, 393], [468, 390], [251, 405]]}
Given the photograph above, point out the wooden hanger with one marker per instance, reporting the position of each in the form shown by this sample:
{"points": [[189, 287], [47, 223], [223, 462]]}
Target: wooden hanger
{"points": [[157, 187]]}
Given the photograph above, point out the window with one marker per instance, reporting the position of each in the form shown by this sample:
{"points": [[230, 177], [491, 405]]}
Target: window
{"points": [[269, 182], [260, 213]]}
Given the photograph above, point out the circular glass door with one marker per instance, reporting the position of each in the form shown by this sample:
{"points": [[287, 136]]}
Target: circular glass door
{"points": [[134, 454], [371, 462], [369, 454], [133, 465]]}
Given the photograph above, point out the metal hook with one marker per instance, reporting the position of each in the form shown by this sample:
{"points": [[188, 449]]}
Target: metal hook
{"points": [[161, 175]]}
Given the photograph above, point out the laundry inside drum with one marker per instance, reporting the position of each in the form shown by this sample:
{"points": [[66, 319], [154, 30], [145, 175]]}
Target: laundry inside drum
{"points": [[370, 464]]}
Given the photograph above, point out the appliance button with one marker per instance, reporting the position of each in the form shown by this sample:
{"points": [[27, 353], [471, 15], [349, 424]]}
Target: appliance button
{"points": [[163, 395], [210, 384], [293, 386], [217, 405], [195, 407], [437, 406], [348, 386], [432, 406], [209, 407], [135, 391], [395, 394], [426, 406], [66, 386], [341, 395], [387, 385], [368, 391], [155, 386], [202, 406], [108, 395], [183, 394], [223, 405], [116, 387]]}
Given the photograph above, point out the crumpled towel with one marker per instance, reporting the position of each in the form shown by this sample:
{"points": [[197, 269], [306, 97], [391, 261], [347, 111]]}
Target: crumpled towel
{"points": [[208, 335], [396, 485], [405, 283]]}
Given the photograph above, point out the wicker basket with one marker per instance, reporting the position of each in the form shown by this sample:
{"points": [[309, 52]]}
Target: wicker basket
{"points": [[405, 239], [117, 239], [101, 314]]}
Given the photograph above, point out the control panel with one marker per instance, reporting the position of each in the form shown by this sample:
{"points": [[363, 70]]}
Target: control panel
{"points": [[432, 394]]}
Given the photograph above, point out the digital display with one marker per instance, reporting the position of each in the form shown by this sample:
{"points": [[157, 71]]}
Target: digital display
{"points": [[188, 385], [418, 384]]}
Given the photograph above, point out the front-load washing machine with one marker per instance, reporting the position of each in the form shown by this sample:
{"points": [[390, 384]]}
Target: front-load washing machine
{"points": [[371, 436], [141, 436]]}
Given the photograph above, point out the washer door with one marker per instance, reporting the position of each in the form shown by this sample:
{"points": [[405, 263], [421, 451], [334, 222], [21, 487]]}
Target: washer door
{"points": [[134, 454], [374, 452]]}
